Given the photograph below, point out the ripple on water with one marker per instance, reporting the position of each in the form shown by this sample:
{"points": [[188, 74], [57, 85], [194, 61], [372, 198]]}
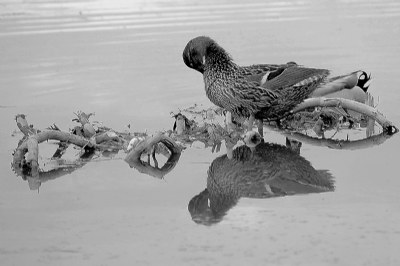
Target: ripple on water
{"points": [[30, 17]]}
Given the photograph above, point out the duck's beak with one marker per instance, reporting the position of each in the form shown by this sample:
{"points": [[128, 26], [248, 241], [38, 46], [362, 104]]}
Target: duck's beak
{"points": [[193, 58]]}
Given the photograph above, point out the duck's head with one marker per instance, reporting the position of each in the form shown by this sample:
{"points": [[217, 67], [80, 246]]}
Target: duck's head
{"points": [[195, 52], [252, 139], [201, 211], [202, 50]]}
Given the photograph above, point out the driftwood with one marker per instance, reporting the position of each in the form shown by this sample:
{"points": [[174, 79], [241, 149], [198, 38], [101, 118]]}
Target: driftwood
{"points": [[31, 146], [206, 126], [350, 105], [148, 146], [26, 156]]}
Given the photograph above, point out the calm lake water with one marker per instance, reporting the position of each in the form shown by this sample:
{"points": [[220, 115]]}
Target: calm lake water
{"points": [[123, 60]]}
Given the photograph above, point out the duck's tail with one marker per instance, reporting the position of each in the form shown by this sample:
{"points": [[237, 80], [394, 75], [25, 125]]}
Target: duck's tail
{"points": [[358, 79], [364, 81]]}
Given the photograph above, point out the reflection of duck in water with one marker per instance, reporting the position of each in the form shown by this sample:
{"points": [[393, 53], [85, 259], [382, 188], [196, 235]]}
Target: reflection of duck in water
{"points": [[271, 170]]}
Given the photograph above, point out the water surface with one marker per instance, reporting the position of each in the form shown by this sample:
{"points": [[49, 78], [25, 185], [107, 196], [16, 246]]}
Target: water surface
{"points": [[122, 60]]}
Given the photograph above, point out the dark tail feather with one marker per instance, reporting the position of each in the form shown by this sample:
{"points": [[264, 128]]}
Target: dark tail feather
{"points": [[363, 81]]}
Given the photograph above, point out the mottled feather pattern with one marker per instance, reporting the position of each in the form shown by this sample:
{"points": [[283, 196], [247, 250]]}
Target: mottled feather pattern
{"points": [[288, 85], [237, 95], [272, 100], [289, 98], [265, 91], [227, 87]]}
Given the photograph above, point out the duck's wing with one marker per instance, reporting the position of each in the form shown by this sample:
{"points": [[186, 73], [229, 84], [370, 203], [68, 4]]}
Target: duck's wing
{"points": [[294, 76], [279, 76], [259, 73]]}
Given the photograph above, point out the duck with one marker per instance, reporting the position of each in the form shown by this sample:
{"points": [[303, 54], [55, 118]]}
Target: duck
{"points": [[271, 170], [261, 91]]}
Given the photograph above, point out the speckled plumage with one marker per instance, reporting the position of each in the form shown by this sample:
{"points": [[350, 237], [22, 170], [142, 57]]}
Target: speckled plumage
{"points": [[262, 91], [271, 170]]}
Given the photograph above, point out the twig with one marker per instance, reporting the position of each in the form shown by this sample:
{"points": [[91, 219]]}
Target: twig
{"points": [[24, 126]]}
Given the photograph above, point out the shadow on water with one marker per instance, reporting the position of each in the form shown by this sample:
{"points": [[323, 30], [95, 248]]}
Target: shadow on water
{"points": [[271, 170]]}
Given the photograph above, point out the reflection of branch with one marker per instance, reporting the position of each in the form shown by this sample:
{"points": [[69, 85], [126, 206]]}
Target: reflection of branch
{"points": [[28, 166], [60, 171], [351, 105], [339, 144], [133, 157], [31, 146]]}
